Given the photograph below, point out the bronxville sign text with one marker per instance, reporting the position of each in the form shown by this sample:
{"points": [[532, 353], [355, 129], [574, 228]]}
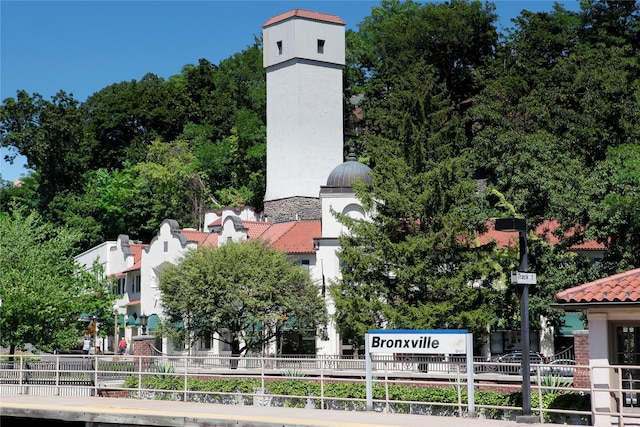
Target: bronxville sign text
{"points": [[441, 341]]}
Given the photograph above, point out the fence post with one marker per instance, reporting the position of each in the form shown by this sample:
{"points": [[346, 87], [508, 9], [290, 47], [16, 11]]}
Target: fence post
{"points": [[386, 386], [95, 375], [458, 387], [262, 362], [471, 393], [186, 376], [139, 375], [23, 373], [369, 385], [57, 365], [322, 386], [540, 403]]}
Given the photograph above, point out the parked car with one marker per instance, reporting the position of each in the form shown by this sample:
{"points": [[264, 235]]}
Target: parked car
{"points": [[513, 361], [562, 367]]}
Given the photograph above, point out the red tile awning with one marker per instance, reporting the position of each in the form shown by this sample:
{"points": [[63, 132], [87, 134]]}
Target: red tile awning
{"points": [[622, 288]]}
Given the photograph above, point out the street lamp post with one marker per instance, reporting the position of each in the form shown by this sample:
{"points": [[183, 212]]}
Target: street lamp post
{"points": [[143, 322], [520, 225]]}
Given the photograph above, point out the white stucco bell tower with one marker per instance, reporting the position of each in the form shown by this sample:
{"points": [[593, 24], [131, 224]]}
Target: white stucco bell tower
{"points": [[304, 53]]}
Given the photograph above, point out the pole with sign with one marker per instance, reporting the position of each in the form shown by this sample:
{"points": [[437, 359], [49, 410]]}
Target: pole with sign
{"points": [[442, 341]]}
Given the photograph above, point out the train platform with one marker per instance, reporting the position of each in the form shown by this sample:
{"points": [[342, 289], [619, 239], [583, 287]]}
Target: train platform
{"points": [[141, 412]]}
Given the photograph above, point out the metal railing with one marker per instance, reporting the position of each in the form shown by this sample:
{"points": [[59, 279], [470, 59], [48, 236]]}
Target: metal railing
{"points": [[94, 375]]}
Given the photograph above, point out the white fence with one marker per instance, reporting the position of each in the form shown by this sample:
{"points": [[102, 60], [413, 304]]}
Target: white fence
{"points": [[106, 375]]}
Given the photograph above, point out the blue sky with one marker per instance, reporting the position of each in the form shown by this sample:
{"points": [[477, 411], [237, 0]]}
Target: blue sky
{"points": [[83, 46]]}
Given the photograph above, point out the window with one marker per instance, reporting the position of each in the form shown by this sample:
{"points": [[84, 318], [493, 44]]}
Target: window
{"points": [[320, 46], [279, 44], [627, 346], [120, 287], [305, 263], [166, 246], [205, 342], [136, 283]]}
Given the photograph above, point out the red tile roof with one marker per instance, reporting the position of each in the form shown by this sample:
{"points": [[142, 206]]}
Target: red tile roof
{"points": [[544, 230], [301, 13], [256, 228], [136, 250], [292, 237], [623, 287], [200, 237], [216, 222]]}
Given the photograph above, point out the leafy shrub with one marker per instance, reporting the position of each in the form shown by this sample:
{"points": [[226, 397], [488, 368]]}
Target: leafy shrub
{"points": [[555, 381], [164, 370], [334, 393], [293, 373], [491, 398]]}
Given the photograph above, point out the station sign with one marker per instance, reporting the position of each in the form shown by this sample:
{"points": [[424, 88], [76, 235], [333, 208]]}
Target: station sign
{"points": [[439, 341]]}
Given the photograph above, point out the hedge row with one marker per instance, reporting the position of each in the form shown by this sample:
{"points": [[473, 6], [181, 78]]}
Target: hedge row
{"points": [[169, 387]]}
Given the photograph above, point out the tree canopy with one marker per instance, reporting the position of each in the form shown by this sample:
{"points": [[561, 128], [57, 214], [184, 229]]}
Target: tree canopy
{"points": [[44, 292]]}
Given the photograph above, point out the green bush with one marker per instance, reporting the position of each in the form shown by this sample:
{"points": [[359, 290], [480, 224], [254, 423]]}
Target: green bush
{"points": [[348, 390], [491, 398], [555, 381]]}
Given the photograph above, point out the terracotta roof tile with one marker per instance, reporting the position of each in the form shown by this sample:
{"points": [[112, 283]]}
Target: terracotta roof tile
{"points": [[200, 237], [545, 230], [292, 237], [136, 250], [217, 222], [256, 228], [301, 13], [621, 287]]}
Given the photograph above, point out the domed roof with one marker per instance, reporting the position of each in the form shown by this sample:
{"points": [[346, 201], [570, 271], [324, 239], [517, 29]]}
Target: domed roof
{"points": [[346, 173]]}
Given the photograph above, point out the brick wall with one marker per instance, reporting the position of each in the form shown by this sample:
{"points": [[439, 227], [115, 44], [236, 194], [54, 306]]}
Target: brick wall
{"points": [[581, 377], [143, 346], [120, 394]]}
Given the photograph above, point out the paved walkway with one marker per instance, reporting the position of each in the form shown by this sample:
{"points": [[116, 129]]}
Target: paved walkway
{"points": [[169, 413]]}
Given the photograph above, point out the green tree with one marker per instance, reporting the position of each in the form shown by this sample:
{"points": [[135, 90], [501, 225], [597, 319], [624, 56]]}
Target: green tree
{"points": [[614, 219], [176, 188], [562, 94], [52, 136], [417, 264], [242, 291], [457, 38], [611, 23], [128, 116], [43, 291]]}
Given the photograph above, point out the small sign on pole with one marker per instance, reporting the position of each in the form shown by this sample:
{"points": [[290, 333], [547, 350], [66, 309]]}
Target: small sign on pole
{"points": [[523, 278]]}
